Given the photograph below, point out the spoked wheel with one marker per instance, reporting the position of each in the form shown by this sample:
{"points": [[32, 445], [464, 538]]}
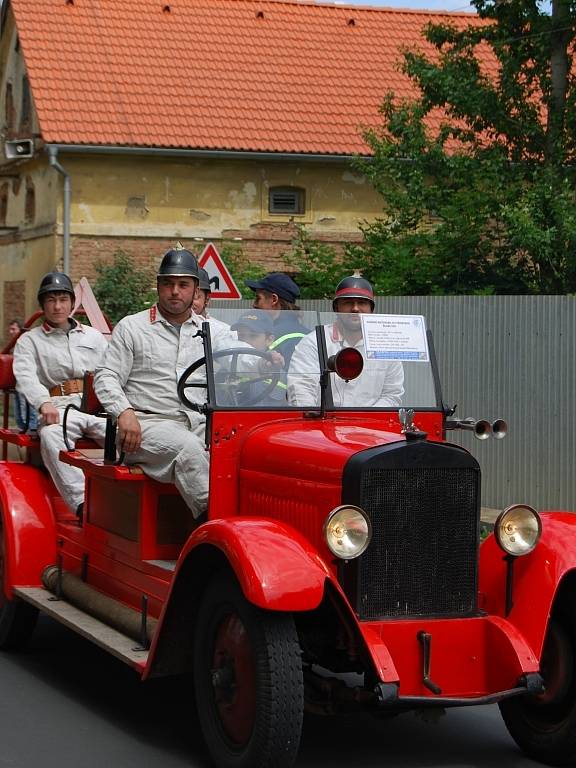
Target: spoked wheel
{"points": [[248, 681], [17, 619], [544, 726]]}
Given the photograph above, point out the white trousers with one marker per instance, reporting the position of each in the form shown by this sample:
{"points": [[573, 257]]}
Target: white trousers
{"points": [[172, 451], [69, 480]]}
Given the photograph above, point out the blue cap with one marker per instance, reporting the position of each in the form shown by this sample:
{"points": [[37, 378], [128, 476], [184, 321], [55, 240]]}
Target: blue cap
{"points": [[257, 320], [278, 283]]}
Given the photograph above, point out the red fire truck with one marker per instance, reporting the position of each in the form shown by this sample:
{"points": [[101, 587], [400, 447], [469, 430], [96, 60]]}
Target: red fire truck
{"points": [[340, 566]]}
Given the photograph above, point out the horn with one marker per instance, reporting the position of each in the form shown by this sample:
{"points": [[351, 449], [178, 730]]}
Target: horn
{"points": [[482, 429], [499, 429]]}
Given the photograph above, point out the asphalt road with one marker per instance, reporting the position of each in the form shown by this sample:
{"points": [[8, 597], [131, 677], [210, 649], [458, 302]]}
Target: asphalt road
{"points": [[66, 704]]}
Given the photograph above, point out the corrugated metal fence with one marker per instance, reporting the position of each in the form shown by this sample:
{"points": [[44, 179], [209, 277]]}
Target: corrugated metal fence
{"points": [[512, 357]]}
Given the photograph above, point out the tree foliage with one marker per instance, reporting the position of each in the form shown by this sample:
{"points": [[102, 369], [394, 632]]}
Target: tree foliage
{"points": [[240, 267], [122, 288], [485, 201]]}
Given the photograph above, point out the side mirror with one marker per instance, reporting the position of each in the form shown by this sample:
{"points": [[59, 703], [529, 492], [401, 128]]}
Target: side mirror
{"points": [[347, 364]]}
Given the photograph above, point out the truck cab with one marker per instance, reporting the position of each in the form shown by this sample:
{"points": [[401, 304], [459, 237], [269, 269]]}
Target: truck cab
{"points": [[339, 567]]}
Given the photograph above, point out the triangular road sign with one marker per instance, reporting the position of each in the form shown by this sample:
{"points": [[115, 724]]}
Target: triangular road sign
{"points": [[223, 286]]}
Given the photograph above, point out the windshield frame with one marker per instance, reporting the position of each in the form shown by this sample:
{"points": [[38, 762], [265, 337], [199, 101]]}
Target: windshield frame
{"points": [[327, 406]]}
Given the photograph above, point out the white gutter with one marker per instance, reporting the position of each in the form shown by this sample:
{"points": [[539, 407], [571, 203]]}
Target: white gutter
{"points": [[53, 156]]}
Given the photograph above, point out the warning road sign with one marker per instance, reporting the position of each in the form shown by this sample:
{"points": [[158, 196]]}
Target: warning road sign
{"points": [[221, 281]]}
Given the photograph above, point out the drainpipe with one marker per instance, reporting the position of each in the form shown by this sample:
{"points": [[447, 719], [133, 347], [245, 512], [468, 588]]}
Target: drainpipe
{"points": [[53, 156]]}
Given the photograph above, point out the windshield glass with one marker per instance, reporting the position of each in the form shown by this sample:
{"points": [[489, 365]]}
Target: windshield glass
{"points": [[397, 367]]}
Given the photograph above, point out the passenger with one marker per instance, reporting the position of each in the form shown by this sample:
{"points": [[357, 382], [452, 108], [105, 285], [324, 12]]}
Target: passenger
{"points": [[137, 382], [25, 416], [49, 365], [381, 383], [256, 328], [202, 299], [276, 292]]}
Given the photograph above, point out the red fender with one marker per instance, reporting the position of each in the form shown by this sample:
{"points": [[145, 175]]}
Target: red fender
{"points": [[28, 521], [536, 577], [277, 568]]}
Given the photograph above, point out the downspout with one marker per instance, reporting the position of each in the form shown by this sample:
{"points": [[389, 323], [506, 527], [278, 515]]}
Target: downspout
{"points": [[53, 156]]}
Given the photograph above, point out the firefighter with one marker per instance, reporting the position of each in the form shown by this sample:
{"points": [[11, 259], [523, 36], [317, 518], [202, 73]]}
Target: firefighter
{"points": [[137, 381], [49, 365], [380, 384], [277, 293], [202, 299]]}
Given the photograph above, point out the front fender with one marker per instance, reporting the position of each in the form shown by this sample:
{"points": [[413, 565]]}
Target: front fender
{"points": [[28, 523], [536, 577], [277, 568]]}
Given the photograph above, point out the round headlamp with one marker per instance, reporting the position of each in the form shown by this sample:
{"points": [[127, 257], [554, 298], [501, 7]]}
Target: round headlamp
{"points": [[517, 529], [347, 531]]}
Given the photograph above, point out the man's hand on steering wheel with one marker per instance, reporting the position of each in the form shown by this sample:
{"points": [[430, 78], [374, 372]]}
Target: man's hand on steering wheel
{"points": [[274, 363]]}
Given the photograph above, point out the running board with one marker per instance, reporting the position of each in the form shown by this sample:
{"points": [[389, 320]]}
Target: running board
{"points": [[119, 645]]}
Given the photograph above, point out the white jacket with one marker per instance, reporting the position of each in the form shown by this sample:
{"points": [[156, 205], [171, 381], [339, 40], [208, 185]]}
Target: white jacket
{"points": [[146, 357], [380, 385], [46, 356]]}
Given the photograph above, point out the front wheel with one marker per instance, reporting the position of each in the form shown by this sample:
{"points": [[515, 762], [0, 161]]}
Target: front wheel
{"points": [[544, 725], [248, 681], [17, 619]]}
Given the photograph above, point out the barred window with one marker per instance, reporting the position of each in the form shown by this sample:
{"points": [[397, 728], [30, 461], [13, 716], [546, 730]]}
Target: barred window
{"points": [[287, 201]]}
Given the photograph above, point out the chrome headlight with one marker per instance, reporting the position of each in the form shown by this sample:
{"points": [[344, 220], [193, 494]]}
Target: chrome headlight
{"points": [[518, 529], [347, 531]]}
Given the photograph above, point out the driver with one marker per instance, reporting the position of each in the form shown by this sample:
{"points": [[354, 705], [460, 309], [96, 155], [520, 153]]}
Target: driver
{"points": [[137, 381], [381, 383]]}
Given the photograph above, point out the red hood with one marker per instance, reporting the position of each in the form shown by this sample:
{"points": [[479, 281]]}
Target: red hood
{"points": [[314, 450]]}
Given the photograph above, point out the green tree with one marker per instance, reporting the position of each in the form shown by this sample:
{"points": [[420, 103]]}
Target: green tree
{"points": [[122, 288], [482, 201], [240, 267], [318, 266]]}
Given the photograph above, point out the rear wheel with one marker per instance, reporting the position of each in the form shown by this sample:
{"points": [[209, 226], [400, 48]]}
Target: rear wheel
{"points": [[248, 681], [17, 619], [544, 726]]}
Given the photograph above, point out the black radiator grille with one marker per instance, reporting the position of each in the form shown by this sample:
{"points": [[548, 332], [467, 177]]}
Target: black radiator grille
{"points": [[422, 560]]}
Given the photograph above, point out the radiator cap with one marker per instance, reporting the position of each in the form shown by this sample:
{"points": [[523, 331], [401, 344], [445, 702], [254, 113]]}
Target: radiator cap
{"points": [[415, 434]]}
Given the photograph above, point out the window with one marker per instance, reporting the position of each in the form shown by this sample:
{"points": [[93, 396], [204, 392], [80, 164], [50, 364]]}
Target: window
{"points": [[30, 202], [25, 114], [286, 201]]}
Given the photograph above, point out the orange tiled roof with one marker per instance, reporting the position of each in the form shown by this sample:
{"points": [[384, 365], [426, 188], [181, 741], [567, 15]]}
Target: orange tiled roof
{"points": [[257, 75]]}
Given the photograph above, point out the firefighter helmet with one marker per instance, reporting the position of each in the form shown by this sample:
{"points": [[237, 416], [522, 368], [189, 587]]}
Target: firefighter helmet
{"points": [[353, 287], [55, 282], [204, 283], [178, 263]]}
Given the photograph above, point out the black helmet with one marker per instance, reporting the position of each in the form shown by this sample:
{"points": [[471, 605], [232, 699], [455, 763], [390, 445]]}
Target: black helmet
{"points": [[178, 263], [353, 287], [204, 283], [55, 282]]}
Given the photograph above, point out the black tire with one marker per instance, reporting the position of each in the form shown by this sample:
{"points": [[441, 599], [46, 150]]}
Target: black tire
{"points": [[544, 726], [248, 681], [17, 619]]}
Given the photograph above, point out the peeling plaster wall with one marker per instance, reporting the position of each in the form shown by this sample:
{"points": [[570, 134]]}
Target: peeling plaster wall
{"points": [[29, 189], [155, 197]]}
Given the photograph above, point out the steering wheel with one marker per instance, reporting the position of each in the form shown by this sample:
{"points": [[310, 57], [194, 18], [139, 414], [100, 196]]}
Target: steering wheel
{"points": [[237, 387]]}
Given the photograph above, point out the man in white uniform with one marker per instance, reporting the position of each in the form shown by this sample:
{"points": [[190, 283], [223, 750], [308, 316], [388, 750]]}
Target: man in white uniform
{"points": [[202, 300], [380, 384], [49, 364], [137, 382]]}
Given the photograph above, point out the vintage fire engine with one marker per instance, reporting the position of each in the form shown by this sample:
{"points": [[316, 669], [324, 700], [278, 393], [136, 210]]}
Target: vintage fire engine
{"points": [[340, 566]]}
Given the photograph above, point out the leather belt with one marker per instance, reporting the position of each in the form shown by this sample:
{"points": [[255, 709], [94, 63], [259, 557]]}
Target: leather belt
{"points": [[68, 387]]}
